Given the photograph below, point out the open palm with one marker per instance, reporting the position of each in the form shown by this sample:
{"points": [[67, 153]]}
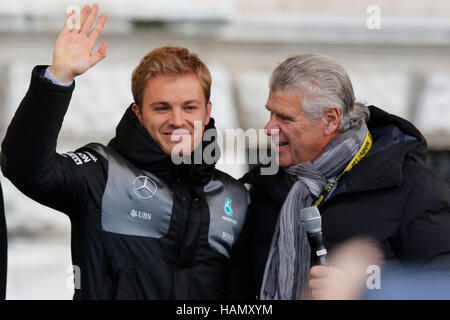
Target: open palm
{"points": [[73, 54]]}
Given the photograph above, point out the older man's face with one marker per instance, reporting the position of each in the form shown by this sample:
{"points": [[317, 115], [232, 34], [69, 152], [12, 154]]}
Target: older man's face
{"points": [[300, 139]]}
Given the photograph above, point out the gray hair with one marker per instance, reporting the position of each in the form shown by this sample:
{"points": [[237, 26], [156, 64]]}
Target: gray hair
{"points": [[324, 84]]}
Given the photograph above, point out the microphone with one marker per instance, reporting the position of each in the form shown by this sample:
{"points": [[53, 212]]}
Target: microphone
{"points": [[312, 222]]}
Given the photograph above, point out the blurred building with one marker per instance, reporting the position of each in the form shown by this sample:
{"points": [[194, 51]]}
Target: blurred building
{"points": [[402, 67]]}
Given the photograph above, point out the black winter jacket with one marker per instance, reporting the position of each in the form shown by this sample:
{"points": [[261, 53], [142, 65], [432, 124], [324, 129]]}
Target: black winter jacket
{"points": [[142, 227], [389, 196]]}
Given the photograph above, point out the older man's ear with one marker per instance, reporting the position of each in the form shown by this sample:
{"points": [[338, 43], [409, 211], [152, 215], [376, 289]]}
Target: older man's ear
{"points": [[331, 118]]}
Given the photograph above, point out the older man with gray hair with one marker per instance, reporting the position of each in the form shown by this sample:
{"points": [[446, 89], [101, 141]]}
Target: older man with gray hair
{"points": [[365, 176]]}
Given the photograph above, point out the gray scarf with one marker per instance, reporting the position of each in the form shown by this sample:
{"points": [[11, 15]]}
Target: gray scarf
{"points": [[289, 260]]}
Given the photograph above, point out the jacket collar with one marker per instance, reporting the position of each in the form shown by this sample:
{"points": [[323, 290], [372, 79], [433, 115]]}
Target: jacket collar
{"points": [[394, 140], [375, 171], [275, 186]]}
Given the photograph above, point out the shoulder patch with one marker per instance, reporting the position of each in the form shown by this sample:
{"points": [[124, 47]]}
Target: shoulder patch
{"points": [[227, 201], [80, 157]]}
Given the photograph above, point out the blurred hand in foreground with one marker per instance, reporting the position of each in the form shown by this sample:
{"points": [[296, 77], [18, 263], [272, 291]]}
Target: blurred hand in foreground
{"points": [[346, 276]]}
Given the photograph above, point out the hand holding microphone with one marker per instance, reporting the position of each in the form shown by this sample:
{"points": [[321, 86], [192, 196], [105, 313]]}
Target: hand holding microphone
{"points": [[346, 278]]}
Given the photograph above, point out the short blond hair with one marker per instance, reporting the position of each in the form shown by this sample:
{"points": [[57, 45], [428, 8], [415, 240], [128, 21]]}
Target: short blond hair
{"points": [[169, 60]]}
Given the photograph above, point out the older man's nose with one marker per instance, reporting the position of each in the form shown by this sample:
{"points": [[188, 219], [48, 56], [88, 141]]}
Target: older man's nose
{"points": [[271, 128]]}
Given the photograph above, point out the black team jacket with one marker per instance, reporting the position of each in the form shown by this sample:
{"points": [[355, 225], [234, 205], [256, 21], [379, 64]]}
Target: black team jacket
{"points": [[142, 227]]}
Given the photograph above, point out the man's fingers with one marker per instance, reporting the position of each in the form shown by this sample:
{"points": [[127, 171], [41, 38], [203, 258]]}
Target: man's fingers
{"points": [[98, 28], [102, 49], [90, 20], [70, 22], [319, 271], [75, 20], [83, 16], [318, 284]]}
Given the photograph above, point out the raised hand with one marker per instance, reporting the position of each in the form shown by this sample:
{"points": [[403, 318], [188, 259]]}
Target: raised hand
{"points": [[73, 55]]}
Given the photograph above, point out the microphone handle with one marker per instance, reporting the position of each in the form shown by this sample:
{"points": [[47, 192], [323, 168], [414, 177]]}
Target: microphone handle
{"points": [[318, 251]]}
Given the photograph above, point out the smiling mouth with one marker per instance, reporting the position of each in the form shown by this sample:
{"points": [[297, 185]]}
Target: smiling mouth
{"points": [[177, 135], [282, 144]]}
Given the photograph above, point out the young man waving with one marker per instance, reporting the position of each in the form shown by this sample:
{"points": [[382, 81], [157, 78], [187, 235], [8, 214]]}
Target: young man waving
{"points": [[143, 227]]}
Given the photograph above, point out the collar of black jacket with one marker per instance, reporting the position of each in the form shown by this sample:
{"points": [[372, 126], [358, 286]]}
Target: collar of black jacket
{"points": [[394, 139], [134, 143]]}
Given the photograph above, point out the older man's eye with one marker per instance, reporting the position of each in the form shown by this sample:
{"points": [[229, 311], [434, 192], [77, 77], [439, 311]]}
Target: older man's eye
{"points": [[285, 119]]}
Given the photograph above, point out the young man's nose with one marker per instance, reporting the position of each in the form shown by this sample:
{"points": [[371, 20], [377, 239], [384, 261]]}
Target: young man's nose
{"points": [[176, 118]]}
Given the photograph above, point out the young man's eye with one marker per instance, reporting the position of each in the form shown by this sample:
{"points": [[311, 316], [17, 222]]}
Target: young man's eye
{"points": [[190, 107], [161, 108]]}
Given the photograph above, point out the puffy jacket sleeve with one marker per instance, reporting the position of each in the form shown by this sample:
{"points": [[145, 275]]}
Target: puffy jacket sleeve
{"points": [[425, 227], [29, 158]]}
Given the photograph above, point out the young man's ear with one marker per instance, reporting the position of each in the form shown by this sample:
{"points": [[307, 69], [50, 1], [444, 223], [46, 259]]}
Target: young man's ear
{"points": [[208, 113], [331, 118], [137, 112]]}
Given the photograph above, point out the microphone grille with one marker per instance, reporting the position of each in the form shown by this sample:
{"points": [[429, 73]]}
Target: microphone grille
{"points": [[311, 219]]}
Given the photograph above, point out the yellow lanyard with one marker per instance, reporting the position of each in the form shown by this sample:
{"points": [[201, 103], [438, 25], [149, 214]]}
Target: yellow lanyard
{"points": [[365, 147]]}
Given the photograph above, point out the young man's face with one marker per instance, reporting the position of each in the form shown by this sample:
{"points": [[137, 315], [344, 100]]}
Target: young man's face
{"points": [[170, 105], [300, 139]]}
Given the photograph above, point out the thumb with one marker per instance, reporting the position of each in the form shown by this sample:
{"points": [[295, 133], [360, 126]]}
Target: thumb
{"points": [[100, 54]]}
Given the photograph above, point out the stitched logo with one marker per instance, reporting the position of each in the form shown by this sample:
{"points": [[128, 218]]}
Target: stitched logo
{"points": [[144, 187], [141, 214], [227, 207]]}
